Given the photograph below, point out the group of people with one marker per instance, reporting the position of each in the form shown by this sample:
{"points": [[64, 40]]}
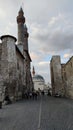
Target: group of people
{"points": [[32, 95], [27, 95]]}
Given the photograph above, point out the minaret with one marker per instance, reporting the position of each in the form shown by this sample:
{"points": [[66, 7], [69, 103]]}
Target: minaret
{"points": [[22, 32], [26, 35], [23, 47], [33, 71], [20, 22]]}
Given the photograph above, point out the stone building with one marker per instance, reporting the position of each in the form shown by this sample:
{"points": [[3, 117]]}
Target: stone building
{"points": [[56, 76], [62, 76], [15, 74], [67, 74], [38, 81]]}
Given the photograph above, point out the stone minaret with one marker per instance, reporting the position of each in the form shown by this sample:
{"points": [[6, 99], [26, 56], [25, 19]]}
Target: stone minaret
{"points": [[26, 35], [22, 32], [23, 46], [33, 71], [20, 22]]}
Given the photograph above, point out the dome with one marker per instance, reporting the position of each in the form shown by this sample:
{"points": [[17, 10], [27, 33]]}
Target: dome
{"points": [[38, 77]]}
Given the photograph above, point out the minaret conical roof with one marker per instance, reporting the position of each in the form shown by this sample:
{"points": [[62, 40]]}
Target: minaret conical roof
{"points": [[20, 17]]}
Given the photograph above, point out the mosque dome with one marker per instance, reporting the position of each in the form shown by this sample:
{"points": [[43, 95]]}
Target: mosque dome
{"points": [[38, 81], [38, 77]]}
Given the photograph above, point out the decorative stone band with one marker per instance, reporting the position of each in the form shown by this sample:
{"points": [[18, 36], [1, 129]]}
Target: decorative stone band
{"points": [[20, 19]]}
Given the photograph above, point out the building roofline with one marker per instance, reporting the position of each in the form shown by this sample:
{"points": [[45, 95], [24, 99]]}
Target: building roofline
{"points": [[19, 51], [54, 56], [28, 55], [69, 60], [63, 63], [8, 36]]}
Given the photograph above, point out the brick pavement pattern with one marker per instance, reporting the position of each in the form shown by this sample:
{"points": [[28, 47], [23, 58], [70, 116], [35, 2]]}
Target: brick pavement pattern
{"points": [[46, 113]]}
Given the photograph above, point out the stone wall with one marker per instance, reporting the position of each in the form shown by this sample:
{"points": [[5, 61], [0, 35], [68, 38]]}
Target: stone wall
{"points": [[56, 76], [1, 78], [8, 65], [64, 79], [62, 76], [69, 78], [27, 72], [15, 73], [12, 69], [20, 74]]}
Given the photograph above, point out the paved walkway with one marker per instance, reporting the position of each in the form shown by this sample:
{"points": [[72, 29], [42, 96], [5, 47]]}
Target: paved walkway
{"points": [[46, 113]]}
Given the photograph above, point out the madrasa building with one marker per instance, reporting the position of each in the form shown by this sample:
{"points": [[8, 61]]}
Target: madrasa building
{"points": [[15, 63]]}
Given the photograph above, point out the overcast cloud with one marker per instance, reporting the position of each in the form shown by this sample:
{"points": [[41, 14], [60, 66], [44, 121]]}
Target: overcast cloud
{"points": [[50, 27]]}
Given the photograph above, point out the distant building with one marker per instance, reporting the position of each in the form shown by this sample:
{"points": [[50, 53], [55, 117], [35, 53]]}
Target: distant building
{"points": [[38, 80], [47, 88]]}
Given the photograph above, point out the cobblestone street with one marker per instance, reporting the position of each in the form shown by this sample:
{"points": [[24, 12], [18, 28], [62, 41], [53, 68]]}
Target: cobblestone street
{"points": [[46, 113]]}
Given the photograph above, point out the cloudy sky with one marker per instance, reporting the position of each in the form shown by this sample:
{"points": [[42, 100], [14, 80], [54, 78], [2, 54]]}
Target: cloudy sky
{"points": [[50, 27]]}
